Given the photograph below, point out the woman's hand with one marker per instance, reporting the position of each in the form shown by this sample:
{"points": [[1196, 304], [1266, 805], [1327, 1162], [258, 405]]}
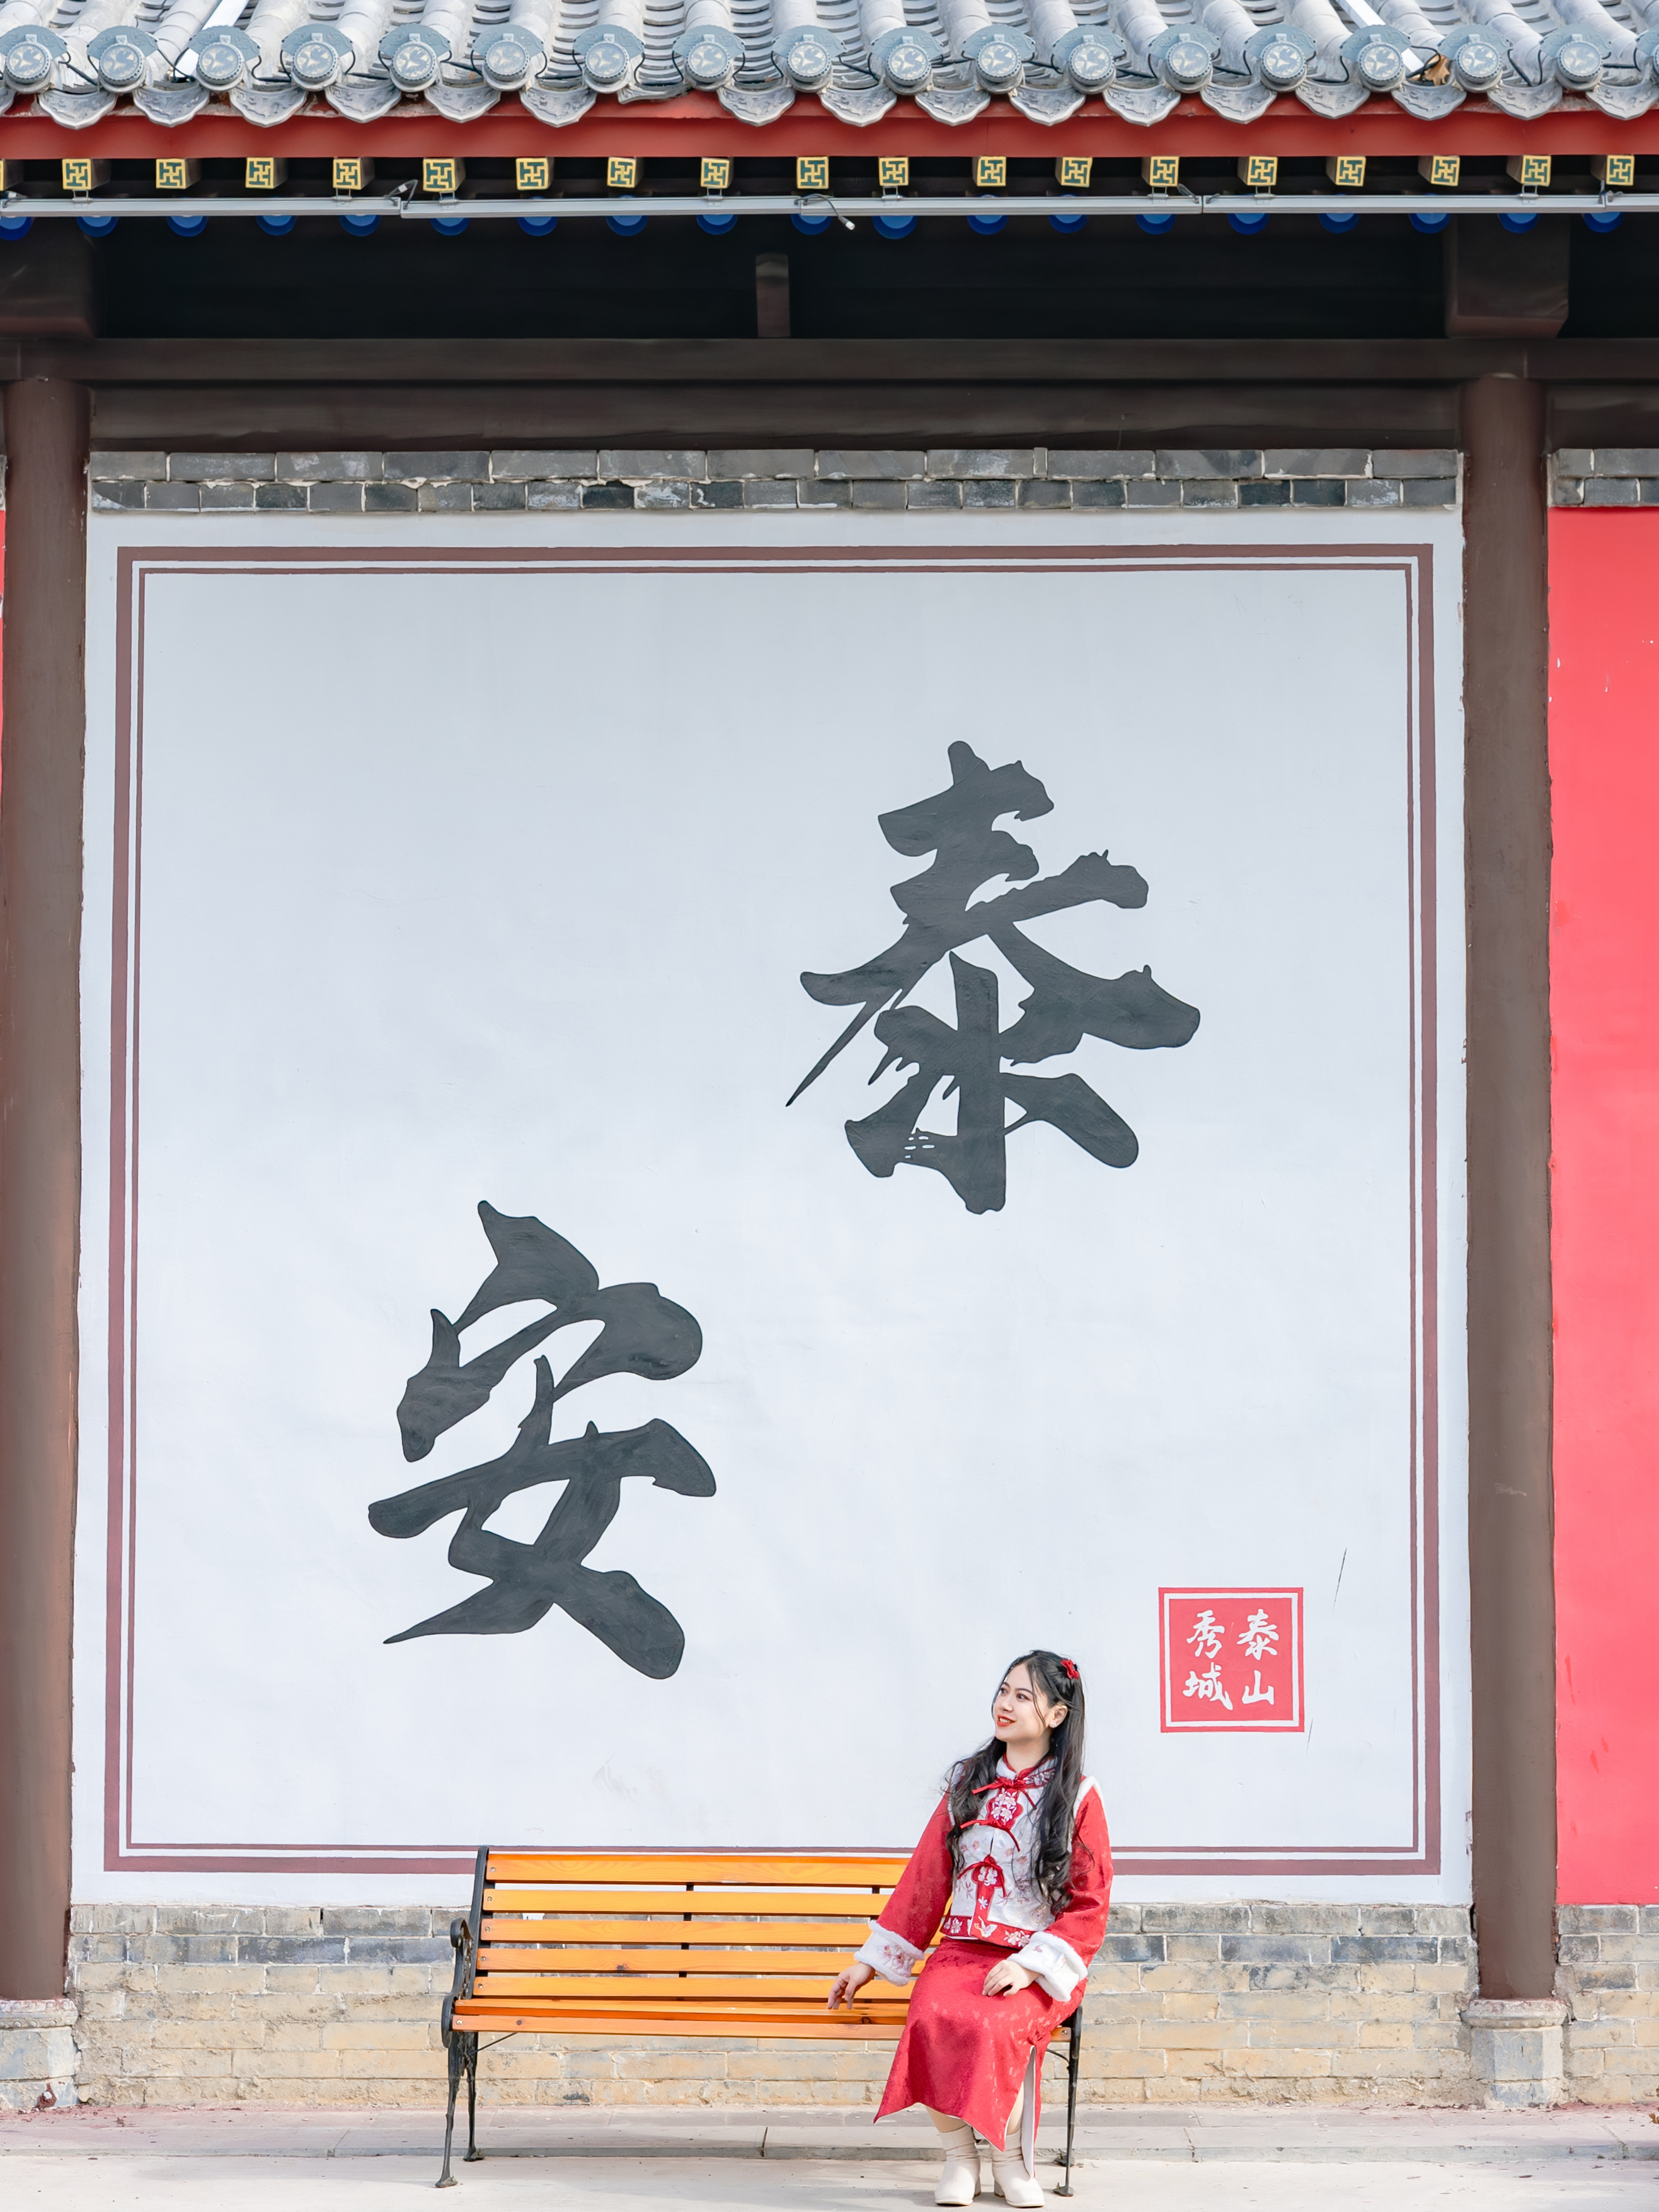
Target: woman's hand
{"points": [[1007, 1976], [848, 1984]]}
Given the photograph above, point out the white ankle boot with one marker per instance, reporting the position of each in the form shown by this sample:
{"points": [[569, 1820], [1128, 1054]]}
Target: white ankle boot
{"points": [[959, 2183], [1013, 2185]]}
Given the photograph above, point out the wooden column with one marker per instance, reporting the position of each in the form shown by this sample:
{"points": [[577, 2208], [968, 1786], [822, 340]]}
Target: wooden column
{"points": [[42, 741], [1507, 854]]}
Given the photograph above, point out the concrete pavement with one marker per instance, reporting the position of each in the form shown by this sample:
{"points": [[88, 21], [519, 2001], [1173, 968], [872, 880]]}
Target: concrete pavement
{"points": [[1287, 2159]]}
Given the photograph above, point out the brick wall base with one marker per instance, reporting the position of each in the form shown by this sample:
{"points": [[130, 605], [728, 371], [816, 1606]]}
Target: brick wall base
{"points": [[1187, 2004], [1608, 1972]]}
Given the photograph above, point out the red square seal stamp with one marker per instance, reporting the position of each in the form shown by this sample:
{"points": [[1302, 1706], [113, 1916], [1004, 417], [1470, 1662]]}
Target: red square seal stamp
{"points": [[1231, 1659]]}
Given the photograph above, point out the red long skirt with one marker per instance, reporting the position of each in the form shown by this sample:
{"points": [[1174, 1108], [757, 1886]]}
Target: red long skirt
{"points": [[967, 2054]]}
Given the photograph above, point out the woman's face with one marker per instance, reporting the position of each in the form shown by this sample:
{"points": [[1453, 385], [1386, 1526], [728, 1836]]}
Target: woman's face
{"points": [[1021, 1720]]}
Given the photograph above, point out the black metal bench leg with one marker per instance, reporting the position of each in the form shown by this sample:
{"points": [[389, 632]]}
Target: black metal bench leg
{"points": [[473, 2154], [446, 2180], [1072, 2055]]}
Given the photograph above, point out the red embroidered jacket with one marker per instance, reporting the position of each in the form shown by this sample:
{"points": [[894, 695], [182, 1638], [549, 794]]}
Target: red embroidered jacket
{"points": [[993, 1898]]}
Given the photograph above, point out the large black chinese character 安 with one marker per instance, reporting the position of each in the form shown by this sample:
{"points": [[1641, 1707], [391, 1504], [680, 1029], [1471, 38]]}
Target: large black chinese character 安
{"points": [[642, 1334], [958, 826]]}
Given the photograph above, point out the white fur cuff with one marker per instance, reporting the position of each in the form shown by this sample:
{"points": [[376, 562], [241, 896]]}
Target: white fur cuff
{"points": [[1055, 1963], [889, 1954]]}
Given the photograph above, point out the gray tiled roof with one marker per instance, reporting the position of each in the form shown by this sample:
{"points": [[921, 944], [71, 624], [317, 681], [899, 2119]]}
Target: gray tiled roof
{"points": [[1049, 57]]}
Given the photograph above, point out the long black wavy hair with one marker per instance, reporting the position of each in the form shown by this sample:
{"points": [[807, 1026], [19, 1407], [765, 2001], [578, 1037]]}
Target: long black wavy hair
{"points": [[1051, 1851]]}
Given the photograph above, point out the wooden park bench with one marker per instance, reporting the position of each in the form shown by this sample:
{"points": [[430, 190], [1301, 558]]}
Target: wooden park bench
{"points": [[725, 1943]]}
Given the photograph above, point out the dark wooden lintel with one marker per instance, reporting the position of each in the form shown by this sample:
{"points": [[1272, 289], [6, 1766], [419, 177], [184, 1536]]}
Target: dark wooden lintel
{"points": [[1046, 363]]}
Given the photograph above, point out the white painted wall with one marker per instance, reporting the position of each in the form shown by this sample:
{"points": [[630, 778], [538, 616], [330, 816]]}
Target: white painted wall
{"points": [[498, 886]]}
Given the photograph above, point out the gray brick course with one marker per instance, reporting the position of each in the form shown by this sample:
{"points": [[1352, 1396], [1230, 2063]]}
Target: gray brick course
{"points": [[220, 468], [437, 468], [762, 461], [646, 466], [1223, 461], [1611, 491], [513, 466], [512, 480], [1437, 462], [330, 468], [836, 462], [136, 467], [1624, 461], [964, 461], [1316, 461], [1099, 463]]}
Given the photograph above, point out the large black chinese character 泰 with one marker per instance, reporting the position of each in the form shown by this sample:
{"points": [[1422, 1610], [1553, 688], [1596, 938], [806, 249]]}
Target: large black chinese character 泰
{"points": [[642, 1333], [958, 827]]}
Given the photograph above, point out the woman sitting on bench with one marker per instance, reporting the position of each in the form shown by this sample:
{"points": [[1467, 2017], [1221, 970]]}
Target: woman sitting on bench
{"points": [[1016, 1868]]}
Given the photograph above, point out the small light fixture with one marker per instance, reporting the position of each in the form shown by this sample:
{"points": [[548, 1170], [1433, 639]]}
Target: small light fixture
{"points": [[224, 60], [999, 55], [1088, 56], [1476, 59], [1183, 61], [1277, 57], [904, 58], [316, 56], [32, 52], [807, 56], [1375, 57], [1575, 58], [412, 56], [508, 58], [708, 57], [121, 57], [608, 55]]}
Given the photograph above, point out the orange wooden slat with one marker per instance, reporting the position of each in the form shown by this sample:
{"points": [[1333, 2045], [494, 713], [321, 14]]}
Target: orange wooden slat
{"points": [[815, 1903], [504, 1927], [852, 1868], [832, 2028], [619, 1962], [595, 1987]]}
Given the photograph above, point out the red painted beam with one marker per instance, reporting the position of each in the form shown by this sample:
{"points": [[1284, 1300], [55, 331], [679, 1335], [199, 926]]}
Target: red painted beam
{"points": [[696, 124]]}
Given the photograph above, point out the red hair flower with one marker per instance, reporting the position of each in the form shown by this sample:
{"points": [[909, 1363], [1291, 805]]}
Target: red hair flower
{"points": [[1068, 1667]]}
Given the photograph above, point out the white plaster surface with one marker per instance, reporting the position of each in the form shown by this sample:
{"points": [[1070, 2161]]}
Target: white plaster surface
{"points": [[508, 899]]}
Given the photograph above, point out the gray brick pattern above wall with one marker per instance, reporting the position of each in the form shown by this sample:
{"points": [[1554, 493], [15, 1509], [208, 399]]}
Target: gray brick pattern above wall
{"points": [[1186, 2003], [934, 480]]}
